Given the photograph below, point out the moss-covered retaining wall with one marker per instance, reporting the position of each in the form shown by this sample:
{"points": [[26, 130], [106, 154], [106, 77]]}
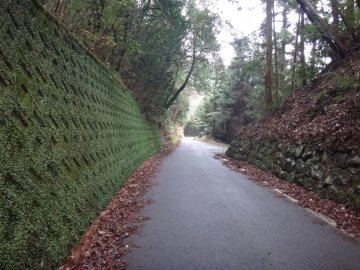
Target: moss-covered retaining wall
{"points": [[333, 172], [70, 134]]}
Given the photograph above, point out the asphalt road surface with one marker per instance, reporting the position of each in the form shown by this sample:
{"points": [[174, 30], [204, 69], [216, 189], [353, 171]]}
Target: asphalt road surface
{"points": [[205, 216]]}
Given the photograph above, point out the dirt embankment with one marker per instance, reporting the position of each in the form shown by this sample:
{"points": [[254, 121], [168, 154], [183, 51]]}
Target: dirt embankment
{"points": [[313, 138]]}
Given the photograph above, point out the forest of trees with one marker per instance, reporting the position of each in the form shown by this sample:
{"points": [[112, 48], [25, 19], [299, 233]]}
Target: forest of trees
{"points": [[154, 47], [162, 48], [281, 57]]}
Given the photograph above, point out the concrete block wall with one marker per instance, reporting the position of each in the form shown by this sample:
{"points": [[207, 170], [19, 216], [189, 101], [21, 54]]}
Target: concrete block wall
{"points": [[70, 134]]}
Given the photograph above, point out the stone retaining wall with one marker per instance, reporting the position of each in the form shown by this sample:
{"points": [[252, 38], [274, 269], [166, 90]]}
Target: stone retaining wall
{"points": [[334, 173]]}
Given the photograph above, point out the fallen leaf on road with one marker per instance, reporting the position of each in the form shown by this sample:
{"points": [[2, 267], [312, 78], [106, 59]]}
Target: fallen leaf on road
{"points": [[102, 245], [346, 218]]}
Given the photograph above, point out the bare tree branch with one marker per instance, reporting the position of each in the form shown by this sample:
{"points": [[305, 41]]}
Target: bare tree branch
{"points": [[335, 44]]}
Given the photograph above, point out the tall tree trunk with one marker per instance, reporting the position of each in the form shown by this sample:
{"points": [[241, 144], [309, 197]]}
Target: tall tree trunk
{"points": [[282, 56], [335, 44], [302, 48], [276, 60], [214, 120], [268, 64], [295, 52]]}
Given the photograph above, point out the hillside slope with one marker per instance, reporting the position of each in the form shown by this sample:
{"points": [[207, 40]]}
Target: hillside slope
{"points": [[313, 139]]}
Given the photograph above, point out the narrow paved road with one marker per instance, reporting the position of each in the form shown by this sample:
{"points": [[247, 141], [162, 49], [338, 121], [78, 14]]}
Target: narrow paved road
{"points": [[205, 216]]}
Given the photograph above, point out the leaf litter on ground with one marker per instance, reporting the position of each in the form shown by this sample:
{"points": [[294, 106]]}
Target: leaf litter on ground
{"points": [[103, 244], [346, 218]]}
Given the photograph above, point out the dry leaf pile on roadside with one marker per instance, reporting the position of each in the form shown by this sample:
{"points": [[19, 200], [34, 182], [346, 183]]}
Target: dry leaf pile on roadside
{"points": [[346, 218], [326, 110], [102, 246]]}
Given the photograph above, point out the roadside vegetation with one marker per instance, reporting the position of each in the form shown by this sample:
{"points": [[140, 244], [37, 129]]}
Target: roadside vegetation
{"points": [[73, 72]]}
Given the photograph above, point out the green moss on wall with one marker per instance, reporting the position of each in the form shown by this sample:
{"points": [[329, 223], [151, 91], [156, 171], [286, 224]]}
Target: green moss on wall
{"points": [[69, 136]]}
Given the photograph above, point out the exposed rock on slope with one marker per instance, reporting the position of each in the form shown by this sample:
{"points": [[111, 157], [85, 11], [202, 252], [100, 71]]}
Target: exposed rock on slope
{"points": [[313, 139]]}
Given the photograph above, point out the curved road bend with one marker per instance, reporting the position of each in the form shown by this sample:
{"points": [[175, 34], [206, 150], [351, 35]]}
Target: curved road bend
{"points": [[205, 216]]}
